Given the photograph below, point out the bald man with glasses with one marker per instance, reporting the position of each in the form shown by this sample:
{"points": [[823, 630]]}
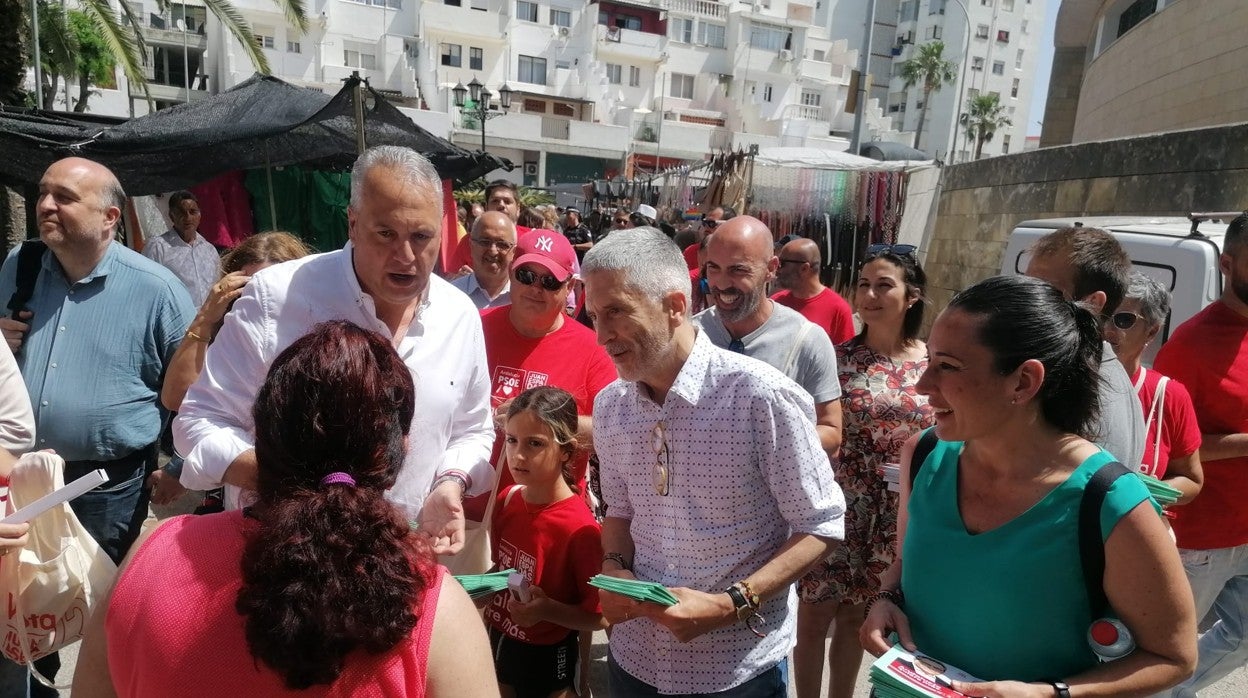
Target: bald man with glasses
{"points": [[492, 244], [798, 276]]}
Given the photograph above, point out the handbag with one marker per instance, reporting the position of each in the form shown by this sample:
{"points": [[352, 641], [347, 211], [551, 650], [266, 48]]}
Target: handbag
{"points": [[476, 557], [50, 586]]}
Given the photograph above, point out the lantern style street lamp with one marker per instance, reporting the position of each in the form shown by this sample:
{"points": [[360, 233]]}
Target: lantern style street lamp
{"points": [[481, 109]]}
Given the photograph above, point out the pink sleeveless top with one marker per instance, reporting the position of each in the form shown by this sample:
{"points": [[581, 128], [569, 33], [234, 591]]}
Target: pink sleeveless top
{"points": [[172, 629]]}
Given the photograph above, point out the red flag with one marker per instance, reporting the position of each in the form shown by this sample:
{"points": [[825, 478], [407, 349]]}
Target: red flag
{"points": [[450, 228]]}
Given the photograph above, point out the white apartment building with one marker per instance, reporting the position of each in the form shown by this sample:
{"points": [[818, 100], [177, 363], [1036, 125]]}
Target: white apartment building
{"points": [[1001, 38], [598, 88]]}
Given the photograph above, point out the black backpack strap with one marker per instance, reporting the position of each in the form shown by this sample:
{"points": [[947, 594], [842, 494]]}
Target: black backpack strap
{"points": [[922, 450], [1091, 540], [29, 262]]}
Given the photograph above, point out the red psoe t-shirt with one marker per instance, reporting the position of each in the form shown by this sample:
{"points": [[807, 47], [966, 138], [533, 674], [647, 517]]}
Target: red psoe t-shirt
{"points": [[826, 309]]}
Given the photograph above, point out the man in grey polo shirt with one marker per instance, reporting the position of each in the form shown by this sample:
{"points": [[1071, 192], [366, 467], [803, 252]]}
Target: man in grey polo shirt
{"points": [[739, 263]]}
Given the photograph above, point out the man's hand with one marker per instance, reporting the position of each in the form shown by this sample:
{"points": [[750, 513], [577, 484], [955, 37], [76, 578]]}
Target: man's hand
{"points": [[500, 414], [15, 329], [1003, 689], [697, 613], [165, 487], [528, 614], [465, 270], [442, 519], [617, 608], [12, 536], [221, 296]]}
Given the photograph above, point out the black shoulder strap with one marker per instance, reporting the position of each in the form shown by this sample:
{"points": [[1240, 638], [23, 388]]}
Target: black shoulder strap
{"points": [[29, 262], [922, 450], [1091, 540]]}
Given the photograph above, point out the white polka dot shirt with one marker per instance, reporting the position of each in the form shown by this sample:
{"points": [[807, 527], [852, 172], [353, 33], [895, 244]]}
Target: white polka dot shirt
{"points": [[746, 472]]}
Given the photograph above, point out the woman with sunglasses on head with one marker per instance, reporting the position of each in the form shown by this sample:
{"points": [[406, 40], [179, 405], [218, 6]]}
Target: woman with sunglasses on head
{"points": [[321, 588], [990, 576], [881, 408], [1172, 438]]}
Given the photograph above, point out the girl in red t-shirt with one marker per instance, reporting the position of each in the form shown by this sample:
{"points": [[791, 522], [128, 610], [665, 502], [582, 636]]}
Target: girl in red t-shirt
{"points": [[544, 530]]}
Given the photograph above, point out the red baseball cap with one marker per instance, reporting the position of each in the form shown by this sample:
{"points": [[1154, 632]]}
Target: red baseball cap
{"points": [[547, 248]]}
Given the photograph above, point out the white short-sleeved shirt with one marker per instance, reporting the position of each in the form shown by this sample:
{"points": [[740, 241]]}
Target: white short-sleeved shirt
{"points": [[196, 264]]}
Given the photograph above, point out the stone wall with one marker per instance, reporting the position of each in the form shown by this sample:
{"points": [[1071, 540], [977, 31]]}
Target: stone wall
{"points": [[1169, 174]]}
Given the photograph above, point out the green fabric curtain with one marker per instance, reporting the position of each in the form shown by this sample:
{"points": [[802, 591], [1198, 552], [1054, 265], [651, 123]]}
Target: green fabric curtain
{"points": [[309, 203]]}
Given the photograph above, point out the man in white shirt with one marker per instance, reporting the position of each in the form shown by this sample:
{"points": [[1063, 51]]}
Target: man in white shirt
{"points": [[715, 483], [382, 281], [492, 245], [183, 251]]}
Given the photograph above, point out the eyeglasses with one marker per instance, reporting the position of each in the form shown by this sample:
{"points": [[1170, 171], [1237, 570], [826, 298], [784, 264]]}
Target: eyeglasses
{"points": [[784, 261], [621, 221], [492, 244], [662, 460], [899, 250], [710, 223], [1125, 320], [528, 277]]}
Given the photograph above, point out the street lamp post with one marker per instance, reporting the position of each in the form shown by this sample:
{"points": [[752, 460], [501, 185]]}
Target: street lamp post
{"points": [[966, 58], [480, 97]]}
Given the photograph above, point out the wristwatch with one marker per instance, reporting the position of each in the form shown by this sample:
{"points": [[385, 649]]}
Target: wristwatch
{"points": [[1063, 690], [740, 602], [746, 603]]}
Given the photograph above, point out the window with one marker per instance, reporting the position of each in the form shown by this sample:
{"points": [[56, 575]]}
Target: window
{"points": [[482, 5], [981, 31], [294, 47], [986, 3], [934, 31], [613, 73], [1003, 36], [977, 63], [535, 106], [681, 30], [770, 38], [995, 95], [819, 55], [711, 34], [898, 69], [526, 11], [452, 55], [563, 65], [937, 7], [1007, 5], [998, 67], [767, 92], [532, 70], [560, 18], [561, 109], [811, 98], [1023, 26], [476, 58], [918, 104], [682, 86], [634, 76], [357, 55], [909, 11], [1018, 60], [264, 37], [971, 93], [1135, 13], [628, 22], [1014, 88], [452, 3], [1005, 145]]}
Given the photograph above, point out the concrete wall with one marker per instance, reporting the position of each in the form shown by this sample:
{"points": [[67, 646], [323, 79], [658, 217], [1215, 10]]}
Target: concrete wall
{"points": [[1170, 174], [1063, 100]]}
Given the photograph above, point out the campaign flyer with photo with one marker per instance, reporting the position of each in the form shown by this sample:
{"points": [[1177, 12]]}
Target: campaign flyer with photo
{"points": [[901, 674]]}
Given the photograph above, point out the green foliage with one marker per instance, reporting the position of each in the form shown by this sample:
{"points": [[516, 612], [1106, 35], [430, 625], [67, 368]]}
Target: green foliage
{"points": [[474, 193], [984, 117], [928, 68]]}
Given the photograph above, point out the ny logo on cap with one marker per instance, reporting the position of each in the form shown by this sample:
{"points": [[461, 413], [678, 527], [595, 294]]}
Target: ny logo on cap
{"points": [[545, 243]]}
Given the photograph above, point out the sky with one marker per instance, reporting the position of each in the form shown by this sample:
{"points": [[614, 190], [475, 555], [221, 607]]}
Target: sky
{"points": [[1044, 64]]}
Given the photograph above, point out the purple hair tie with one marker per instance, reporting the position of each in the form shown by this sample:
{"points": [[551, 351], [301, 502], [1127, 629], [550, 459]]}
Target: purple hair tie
{"points": [[338, 478]]}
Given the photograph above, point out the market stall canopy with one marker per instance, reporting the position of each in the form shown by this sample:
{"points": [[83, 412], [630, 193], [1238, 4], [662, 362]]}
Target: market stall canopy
{"points": [[261, 122], [816, 159], [888, 151]]}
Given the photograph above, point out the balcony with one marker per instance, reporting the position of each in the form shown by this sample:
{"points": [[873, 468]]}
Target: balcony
{"points": [[464, 21], [554, 135], [700, 8], [680, 139], [628, 43], [823, 72], [805, 112]]}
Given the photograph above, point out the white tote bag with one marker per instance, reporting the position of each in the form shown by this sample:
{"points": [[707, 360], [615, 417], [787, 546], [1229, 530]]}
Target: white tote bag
{"points": [[51, 586], [476, 556]]}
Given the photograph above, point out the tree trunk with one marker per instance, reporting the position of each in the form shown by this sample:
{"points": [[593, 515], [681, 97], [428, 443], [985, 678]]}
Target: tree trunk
{"points": [[979, 144], [51, 82], [918, 132], [84, 92]]}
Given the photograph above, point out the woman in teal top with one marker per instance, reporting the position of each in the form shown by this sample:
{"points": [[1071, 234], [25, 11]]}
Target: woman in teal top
{"points": [[992, 578]]}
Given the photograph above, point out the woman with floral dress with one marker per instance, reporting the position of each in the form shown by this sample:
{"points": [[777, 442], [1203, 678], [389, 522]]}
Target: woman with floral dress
{"points": [[879, 369]]}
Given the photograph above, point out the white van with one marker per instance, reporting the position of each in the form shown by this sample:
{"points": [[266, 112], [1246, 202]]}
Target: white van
{"points": [[1181, 253]]}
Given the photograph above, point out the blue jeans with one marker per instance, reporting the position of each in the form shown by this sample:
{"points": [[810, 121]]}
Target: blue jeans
{"points": [[13, 679], [1219, 580], [768, 684]]}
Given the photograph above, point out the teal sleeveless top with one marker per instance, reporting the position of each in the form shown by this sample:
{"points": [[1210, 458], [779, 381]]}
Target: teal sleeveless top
{"points": [[1010, 603]]}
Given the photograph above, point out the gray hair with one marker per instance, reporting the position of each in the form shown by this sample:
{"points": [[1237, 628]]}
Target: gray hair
{"points": [[408, 164], [651, 262], [1153, 297]]}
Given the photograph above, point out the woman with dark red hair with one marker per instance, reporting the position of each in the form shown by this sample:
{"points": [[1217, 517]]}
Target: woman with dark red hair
{"points": [[318, 589]]}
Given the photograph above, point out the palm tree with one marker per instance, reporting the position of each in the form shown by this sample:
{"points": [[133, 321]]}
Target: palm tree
{"points": [[125, 43], [985, 115], [12, 52], [930, 69]]}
